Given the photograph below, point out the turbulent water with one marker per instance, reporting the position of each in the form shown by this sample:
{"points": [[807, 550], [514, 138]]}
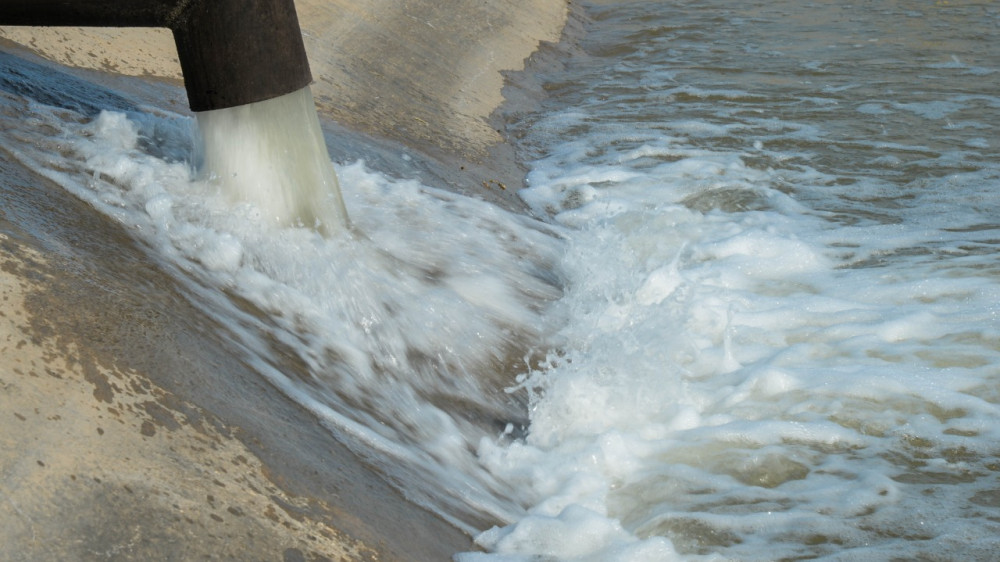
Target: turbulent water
{"points": [[756, 315], [782, 334]]}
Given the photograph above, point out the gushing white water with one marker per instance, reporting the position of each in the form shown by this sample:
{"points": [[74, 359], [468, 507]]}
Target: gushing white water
{"points": [[271, 154]]}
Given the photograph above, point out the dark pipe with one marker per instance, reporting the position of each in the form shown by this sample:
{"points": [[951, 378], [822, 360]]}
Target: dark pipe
{"points": [[232, 52]]}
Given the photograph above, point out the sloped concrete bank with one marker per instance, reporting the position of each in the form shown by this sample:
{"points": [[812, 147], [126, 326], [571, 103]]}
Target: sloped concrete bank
{"points": [[125, 433]]}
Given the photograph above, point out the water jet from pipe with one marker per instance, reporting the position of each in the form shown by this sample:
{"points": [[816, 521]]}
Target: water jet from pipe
{"points": [[247, 79], [272, 154]]}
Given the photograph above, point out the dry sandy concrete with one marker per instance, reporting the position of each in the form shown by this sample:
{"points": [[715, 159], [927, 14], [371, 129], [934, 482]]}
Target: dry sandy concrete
{"points": [[125, 434]]}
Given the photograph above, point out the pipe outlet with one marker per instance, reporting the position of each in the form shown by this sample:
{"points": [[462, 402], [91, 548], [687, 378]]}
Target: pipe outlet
{"points": [[232, 52]]}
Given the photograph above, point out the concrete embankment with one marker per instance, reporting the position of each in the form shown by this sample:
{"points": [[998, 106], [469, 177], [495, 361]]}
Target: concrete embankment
{"points": [[125, 433]]}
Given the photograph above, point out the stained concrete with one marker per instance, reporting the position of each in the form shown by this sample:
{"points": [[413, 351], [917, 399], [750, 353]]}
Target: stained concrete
{"points": [[128, 432]]}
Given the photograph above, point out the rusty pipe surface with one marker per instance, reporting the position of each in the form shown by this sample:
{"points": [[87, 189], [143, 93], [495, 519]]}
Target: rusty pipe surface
{"points": [[232, 52]]}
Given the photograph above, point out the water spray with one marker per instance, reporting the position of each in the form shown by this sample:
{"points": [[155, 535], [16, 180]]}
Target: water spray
{"points": [[247, 78]]}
